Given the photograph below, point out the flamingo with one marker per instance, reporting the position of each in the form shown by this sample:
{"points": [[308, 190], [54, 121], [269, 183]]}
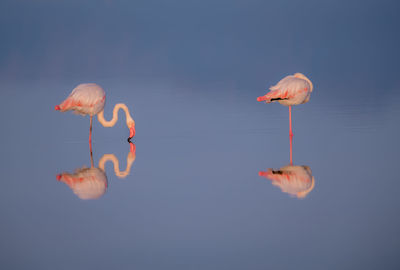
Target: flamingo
{"points": [[90, 98], [291, 90]]}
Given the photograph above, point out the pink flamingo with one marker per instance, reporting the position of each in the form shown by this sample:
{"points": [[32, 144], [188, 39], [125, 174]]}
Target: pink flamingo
{"points": [[90, 98], [291, 90]]}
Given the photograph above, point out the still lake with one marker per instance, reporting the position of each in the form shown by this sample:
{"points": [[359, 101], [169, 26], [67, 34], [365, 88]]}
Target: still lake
{"points": [[192, 197]]}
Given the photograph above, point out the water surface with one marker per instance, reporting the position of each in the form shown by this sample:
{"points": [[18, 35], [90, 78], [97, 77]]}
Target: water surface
{"points": [[191, 74]]}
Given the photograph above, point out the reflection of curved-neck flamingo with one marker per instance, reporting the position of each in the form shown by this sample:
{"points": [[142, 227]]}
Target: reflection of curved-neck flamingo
{"points": [[90, 98], [291, 90], [91, 183]]}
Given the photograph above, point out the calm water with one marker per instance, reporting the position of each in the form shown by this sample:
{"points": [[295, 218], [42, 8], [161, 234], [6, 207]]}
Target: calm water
{"points": [[193, 198]]}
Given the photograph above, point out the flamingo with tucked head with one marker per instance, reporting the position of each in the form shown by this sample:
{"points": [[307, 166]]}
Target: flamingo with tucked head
{"points": [[90, 98], [291, 90]]}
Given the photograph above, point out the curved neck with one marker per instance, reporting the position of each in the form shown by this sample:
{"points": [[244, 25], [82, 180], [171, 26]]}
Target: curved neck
{"points": [[110, 157], [129, 121]]}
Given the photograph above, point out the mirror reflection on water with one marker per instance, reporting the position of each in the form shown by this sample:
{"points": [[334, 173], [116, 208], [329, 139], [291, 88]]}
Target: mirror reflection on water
{"points": [[91, 183]]}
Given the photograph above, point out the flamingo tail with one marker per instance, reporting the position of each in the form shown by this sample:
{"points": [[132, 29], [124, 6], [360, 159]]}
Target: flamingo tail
{"points": [[273, 96]]}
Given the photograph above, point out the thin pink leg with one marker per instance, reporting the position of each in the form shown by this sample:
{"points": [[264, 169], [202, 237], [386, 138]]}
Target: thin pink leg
{"points": [[90, 134], [290, 135]]}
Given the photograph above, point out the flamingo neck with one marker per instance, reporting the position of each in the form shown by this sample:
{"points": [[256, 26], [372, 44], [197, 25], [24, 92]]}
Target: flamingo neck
{"points": [[111, 157], [301, 76], [129, 121], [311, 85]]}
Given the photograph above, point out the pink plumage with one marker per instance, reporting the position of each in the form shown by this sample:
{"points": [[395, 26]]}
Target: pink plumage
{"points": [[86, 98], [295, 180], [86, 183], [291, 90]]}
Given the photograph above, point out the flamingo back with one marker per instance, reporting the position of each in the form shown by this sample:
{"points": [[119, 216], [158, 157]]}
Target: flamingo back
{"points": [[290, 90], [86, 98]]}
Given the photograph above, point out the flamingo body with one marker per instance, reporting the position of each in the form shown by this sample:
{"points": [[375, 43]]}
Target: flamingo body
{"points": [[86, 98], [291, 90]]}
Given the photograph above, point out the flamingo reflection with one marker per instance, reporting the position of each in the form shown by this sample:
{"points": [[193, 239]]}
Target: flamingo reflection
{"points": [[91, 183], [295, 180]]}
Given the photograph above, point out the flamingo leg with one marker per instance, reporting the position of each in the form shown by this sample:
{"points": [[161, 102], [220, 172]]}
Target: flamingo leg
{"points": [[90, 134], [91, 157], [290, 135]]}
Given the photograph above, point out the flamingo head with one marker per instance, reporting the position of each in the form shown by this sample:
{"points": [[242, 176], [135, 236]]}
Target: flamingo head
{"points": [[299, 75], [57, 107], [302, 76]]}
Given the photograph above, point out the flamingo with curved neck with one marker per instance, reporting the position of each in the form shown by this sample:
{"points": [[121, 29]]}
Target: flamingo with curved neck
{"points": [[89, 99]]}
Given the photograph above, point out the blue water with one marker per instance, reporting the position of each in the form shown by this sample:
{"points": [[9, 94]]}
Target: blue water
{"points": [[191, 74]]}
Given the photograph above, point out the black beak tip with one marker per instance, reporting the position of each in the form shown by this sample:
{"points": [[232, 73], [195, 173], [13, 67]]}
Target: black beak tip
{"points": [[129, 139]]}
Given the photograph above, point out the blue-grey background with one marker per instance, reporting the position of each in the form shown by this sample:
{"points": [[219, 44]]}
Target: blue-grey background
{"points": [[191, 72]]}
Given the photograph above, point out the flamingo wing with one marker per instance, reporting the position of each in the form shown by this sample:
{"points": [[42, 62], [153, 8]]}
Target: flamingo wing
{"points": [[88, 98], [289, 87], [291, 90]]}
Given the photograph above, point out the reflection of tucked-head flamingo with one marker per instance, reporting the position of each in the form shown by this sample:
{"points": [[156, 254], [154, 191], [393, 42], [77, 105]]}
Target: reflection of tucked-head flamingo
{"points": [[91, 183], [295, 180], [291, 90], [89, 98]]}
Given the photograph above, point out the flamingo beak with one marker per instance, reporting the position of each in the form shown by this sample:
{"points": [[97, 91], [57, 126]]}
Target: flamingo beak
{"points": [[58, 177], [57, 107]]}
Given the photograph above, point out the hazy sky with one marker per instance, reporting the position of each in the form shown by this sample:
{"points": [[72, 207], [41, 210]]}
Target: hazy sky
{"points": [[341, 42]]}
